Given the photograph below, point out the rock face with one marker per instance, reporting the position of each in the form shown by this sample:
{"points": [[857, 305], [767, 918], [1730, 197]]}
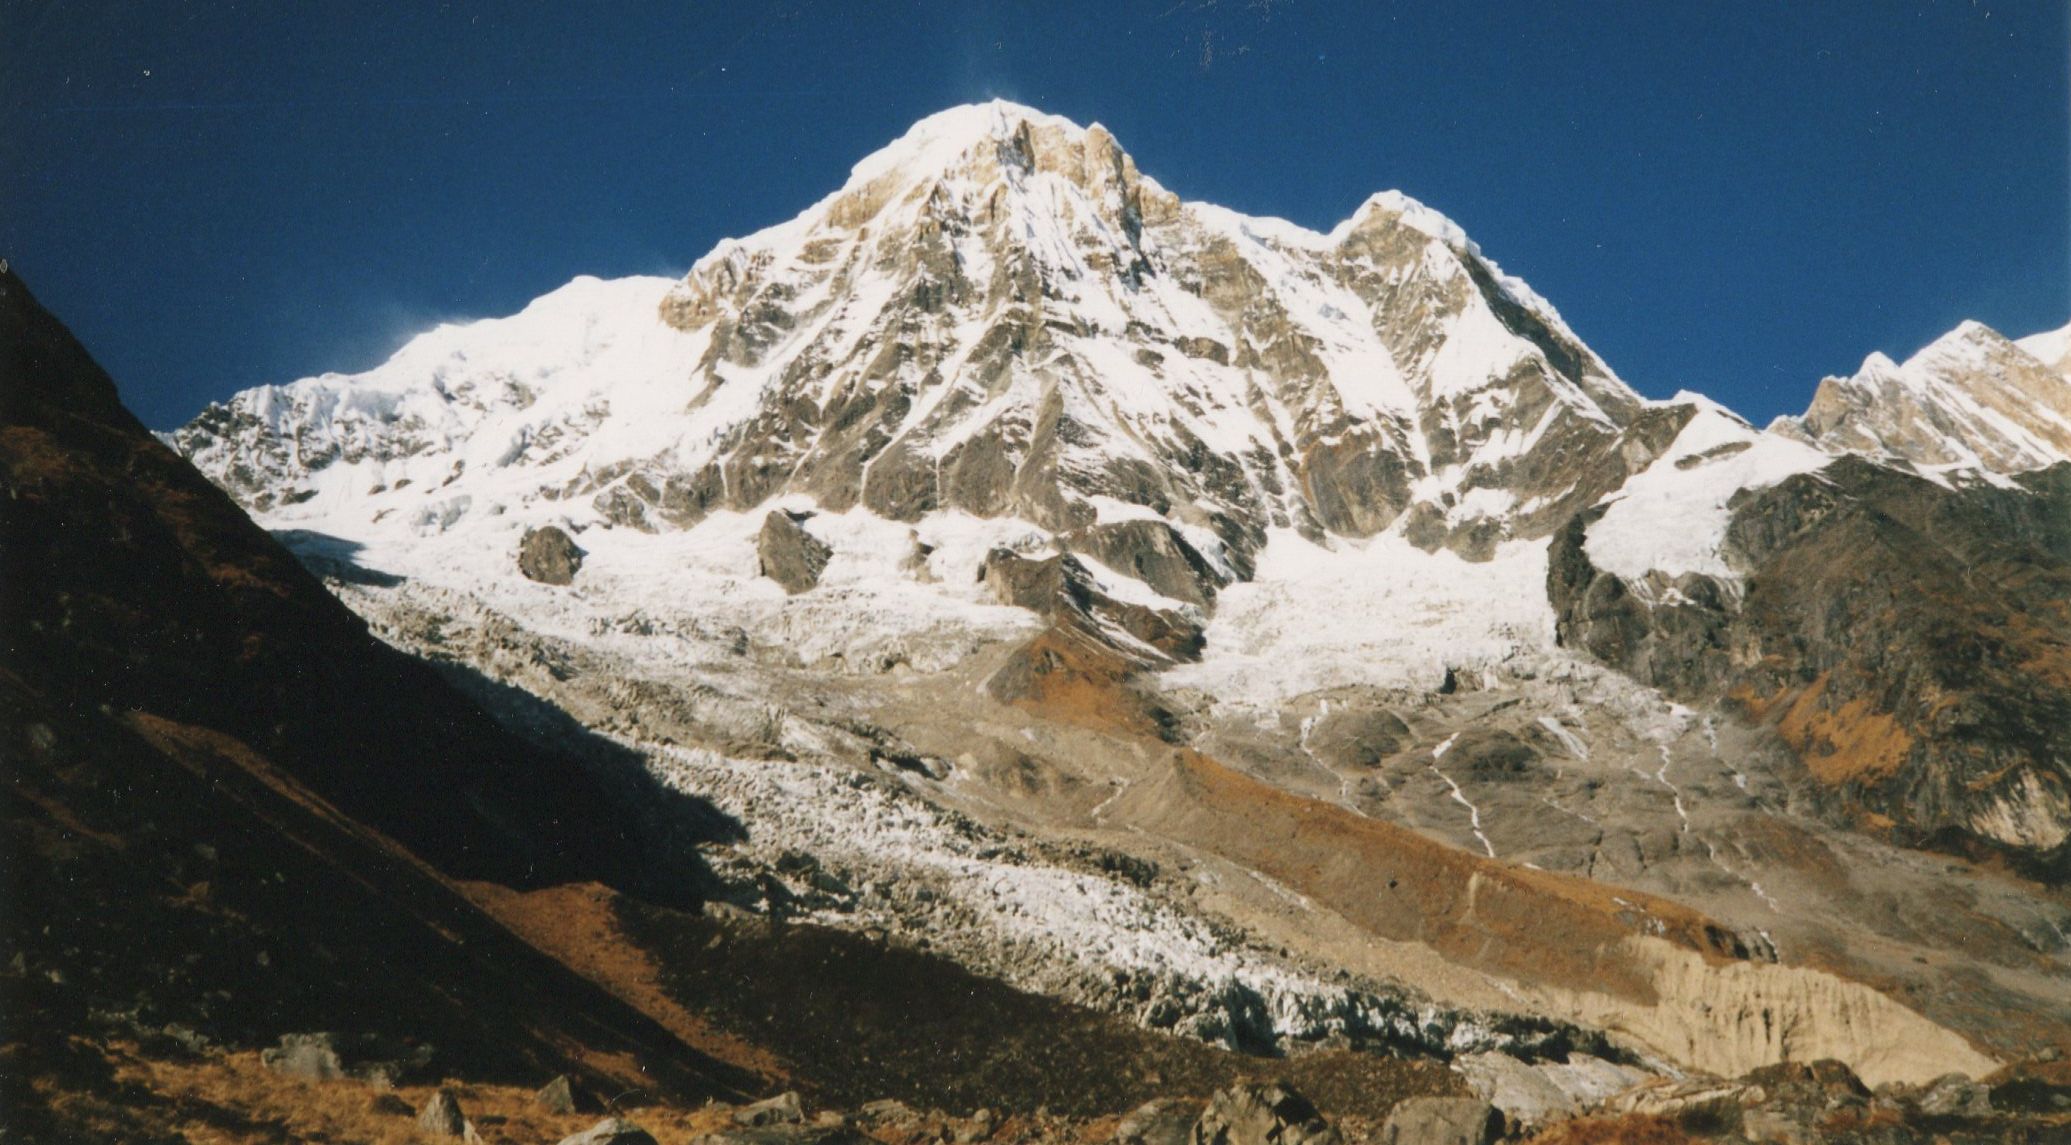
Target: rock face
{"points": [[1262, 1115], [788, 554], [1060, 587], [1904, 637], [1443, 1121], [549, 556], [1972, 398]]}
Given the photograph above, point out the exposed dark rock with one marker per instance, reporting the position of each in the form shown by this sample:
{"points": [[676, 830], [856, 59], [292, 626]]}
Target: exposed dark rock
{"points": [[1905, 639], [1674, 637], [1262, 1115], [1154, 553], [549, 556], [789, 555], [1063, 589], [1444, 1121], [1490, 754], [1350, 736]]}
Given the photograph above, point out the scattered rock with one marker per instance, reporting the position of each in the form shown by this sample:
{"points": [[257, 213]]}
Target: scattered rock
{"points": [[788, 554], [441, 1116], [328, 1057], [783, 1109], [549, 556], [611, 1131], [1955, 1095], [312, 1057], [1537, 1094], [888, 1111], [389, 1105], [1262, 1115], [562, 1095], [1444, 1121], [1165, 1121], [1692, 1098]]}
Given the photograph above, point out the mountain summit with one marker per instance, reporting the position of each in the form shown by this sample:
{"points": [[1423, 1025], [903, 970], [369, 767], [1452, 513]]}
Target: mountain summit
{"points": [[1972, 399], [998, 314]]}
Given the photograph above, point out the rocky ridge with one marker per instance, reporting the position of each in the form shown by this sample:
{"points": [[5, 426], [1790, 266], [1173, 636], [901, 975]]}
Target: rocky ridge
{"points": [[1974, 399]]}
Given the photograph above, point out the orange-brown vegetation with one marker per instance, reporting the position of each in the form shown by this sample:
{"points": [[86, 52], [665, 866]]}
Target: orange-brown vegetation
{"points": [[578, 925], [1848, 741], [1629, 1129]]}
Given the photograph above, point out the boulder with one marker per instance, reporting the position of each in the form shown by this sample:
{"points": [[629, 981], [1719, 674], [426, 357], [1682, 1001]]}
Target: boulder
{"points": [[549, 556], [1155, 553], [1540, 1093], [1262, 1115], [1694, 1098], [441, 1116], [1443, 1121], [1165, 1121], [562, 1095], [327, 1057], [783, 1109], [611, 1131], [788, 554], [1955, 1095], [312, 1057]]}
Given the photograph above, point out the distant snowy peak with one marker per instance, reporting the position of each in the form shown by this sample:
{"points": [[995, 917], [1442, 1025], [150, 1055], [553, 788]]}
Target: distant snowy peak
{"points": [[2052, 348], [1973, 399]]}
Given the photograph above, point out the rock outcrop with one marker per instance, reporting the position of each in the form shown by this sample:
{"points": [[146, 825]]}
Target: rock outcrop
{"points": [[1262, 1115], [549, 555], [1444, 1121], [1904, 637], [788, 554]]}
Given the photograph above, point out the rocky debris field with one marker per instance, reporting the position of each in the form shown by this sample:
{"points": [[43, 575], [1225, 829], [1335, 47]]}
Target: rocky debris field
{"points": [[119, 1091]]}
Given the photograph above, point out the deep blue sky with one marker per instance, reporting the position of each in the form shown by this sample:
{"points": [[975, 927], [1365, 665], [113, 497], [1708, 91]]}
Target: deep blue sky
{"points": [[1735, 198]]}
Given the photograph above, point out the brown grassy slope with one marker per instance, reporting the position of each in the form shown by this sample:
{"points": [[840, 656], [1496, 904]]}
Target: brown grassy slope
{"points": [[132, 583]]}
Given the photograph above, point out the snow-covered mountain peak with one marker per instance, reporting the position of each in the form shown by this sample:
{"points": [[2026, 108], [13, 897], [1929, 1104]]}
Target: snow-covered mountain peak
{"points": [[937, 142], [996, 315], [1970, 400], [1394, 207], [2051, 347]]}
